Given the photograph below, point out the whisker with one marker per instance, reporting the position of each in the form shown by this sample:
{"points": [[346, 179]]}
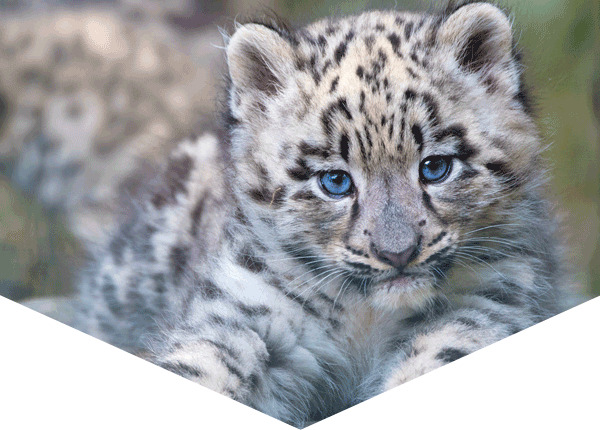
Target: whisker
{"points": [[341, 289], [493, 226], [314, 277], [488, 249], [479, 260], [467, 266], [315, 286]]}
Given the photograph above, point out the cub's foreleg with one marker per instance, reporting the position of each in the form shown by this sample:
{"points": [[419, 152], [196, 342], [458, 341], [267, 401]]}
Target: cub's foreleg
{"points": [[449, 331]]}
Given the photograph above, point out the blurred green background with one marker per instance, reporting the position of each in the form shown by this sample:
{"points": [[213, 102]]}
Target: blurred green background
{"points": [[560, 40]]}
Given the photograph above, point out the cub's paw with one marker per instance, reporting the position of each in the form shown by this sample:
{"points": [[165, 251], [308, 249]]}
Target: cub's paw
{"points": [[419, 362], [209, 364]]}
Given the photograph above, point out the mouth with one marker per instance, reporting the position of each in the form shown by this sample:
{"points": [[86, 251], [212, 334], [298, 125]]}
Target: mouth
{"points": [[394, 282], [403, 291], [401, 282]]}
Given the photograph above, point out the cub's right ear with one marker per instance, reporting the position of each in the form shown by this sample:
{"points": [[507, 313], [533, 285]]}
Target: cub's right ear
{"points": [[259, 60]]}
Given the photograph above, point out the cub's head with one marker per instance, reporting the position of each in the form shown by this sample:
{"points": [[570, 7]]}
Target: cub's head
{"points": [[372, 148]]}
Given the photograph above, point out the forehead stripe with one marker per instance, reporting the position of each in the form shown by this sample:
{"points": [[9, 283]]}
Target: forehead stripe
{"points": [[432, 108], [368, 137], [418, 135], [341, 105], [391, 127], [362, 146], [344, 146]]}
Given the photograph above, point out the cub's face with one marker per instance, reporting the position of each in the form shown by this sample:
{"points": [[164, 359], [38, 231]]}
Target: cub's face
{"points": [[372, 149]]}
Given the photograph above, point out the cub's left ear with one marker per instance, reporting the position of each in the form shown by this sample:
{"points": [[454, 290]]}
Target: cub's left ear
{"points": [[480, 38]]}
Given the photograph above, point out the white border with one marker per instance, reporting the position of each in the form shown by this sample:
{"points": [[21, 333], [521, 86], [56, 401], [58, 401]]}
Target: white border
{"points": [[53, 376]]}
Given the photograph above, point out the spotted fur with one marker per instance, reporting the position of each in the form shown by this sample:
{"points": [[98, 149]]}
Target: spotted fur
{"points": [[240, 272]]}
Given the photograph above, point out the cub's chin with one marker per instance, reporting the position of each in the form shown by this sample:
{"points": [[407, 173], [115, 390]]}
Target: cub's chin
{"points": [[403, 292]]}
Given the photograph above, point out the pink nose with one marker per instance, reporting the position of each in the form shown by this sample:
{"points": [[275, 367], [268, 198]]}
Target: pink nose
{"points": [[396, 259]]}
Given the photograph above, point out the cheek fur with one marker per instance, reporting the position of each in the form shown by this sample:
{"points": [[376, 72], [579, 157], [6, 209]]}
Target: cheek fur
{"points": [[318, 217]]}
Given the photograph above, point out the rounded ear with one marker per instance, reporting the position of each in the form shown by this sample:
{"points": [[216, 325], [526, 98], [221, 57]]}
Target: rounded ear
{"points": [[259, 59], [480, 35]]}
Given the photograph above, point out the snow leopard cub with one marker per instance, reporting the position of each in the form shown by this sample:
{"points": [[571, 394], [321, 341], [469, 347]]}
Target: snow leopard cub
{"points": [[373, 211]]}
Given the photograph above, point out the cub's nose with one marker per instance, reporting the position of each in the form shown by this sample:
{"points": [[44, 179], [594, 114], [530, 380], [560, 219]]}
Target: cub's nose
{"points": [[399, 260]]}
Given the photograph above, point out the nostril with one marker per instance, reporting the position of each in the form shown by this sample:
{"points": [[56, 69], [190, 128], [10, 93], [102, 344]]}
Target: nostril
{"points": [[396, 259]]}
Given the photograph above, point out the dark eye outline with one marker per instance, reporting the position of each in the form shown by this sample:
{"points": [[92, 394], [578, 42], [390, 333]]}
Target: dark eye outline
{"points": [[448, 159], [323, 187]]}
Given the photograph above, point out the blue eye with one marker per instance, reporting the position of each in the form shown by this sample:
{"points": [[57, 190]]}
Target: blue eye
{"points": [[336, 183], [435, 169]]}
